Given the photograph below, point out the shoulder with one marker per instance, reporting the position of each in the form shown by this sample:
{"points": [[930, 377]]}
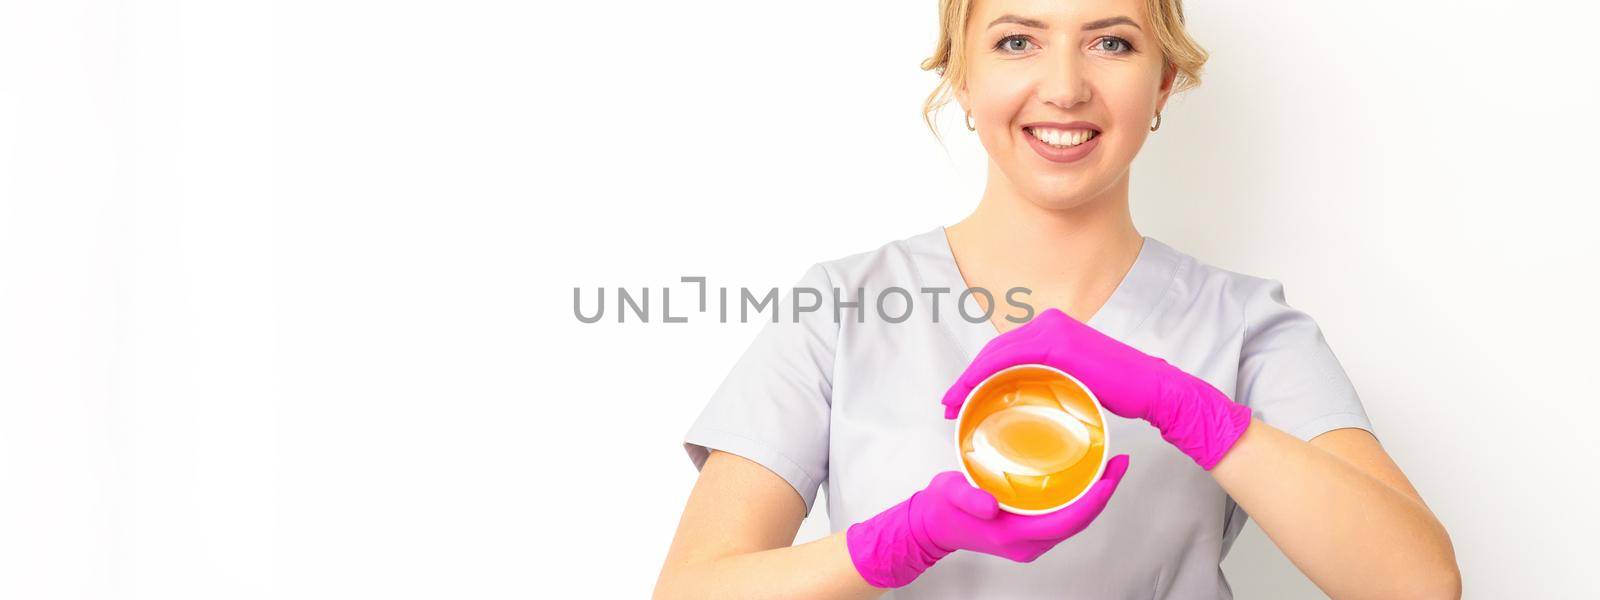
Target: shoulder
{"points": [[1267, 322], [1248, 297], [830, 287], [897, 262]]}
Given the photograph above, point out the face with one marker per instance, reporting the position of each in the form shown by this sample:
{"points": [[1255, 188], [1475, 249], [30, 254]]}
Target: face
{"points": [[1086, 76]]}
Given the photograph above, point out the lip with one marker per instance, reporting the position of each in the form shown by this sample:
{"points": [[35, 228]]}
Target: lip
{"points": [[1062, 155]]}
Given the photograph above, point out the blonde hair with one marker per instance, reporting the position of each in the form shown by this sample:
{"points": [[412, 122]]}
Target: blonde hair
{"points": [[1182, 53]]}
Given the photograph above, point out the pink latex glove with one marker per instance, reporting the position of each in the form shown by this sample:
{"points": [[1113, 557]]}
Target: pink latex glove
{"points": [[894, 547], [1192, 415]]}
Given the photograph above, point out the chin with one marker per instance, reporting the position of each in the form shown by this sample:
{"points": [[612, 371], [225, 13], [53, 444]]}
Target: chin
{"points": [[1062, 191], [1059, 199]]}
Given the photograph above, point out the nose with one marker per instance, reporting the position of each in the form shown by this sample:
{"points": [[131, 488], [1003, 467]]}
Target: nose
{"points": [[1063, 83]]}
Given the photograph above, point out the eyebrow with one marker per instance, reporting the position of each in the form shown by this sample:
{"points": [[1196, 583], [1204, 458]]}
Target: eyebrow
{"points": [[1090, 26], [1023, 21], [1104, 23]]}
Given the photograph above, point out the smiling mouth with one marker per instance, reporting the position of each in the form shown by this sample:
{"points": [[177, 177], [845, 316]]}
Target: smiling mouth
{"points": [[1062, 138]]}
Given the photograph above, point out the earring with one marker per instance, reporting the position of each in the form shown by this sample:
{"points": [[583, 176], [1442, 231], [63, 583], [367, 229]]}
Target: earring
{"points": [[970, 125], [1157, 124]]}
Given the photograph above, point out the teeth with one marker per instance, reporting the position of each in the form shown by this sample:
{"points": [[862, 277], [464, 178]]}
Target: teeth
{"points": [[1062, 138]]}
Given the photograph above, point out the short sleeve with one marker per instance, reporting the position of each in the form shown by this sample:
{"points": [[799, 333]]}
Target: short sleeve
{"points": [[1288, 375], [773, 407]]}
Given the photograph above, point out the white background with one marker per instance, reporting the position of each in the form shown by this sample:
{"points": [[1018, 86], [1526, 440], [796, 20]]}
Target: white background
{"points": [[286, 287]]}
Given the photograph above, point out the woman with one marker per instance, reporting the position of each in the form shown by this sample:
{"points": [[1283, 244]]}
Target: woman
{"points": [[1233, 402]]}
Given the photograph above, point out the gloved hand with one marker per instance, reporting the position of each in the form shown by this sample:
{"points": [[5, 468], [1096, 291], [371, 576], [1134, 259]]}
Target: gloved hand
{"points": [[1192, 415], [894, 547]]}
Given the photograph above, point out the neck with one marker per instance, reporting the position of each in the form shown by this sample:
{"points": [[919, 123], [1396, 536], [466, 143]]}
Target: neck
{"points": [[1072, 257]]}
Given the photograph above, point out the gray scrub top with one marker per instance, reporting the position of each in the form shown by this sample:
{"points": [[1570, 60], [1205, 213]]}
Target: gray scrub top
{"points": [[854, 406]]}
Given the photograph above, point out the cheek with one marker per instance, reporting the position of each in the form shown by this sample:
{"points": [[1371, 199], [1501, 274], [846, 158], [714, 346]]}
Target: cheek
{"points": [[998, 96], [1131, 100], [1131, 104]]}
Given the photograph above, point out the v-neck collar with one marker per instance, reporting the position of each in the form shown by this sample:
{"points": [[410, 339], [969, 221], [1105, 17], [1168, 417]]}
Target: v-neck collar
{"points": [[1137, 296]]}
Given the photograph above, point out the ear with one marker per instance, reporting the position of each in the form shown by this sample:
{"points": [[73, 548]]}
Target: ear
{"points": [[961, 98], [1169, 75]]}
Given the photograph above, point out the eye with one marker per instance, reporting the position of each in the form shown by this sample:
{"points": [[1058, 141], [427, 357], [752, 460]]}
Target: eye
{"points": [[1013, 44], [1113, 44]]}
